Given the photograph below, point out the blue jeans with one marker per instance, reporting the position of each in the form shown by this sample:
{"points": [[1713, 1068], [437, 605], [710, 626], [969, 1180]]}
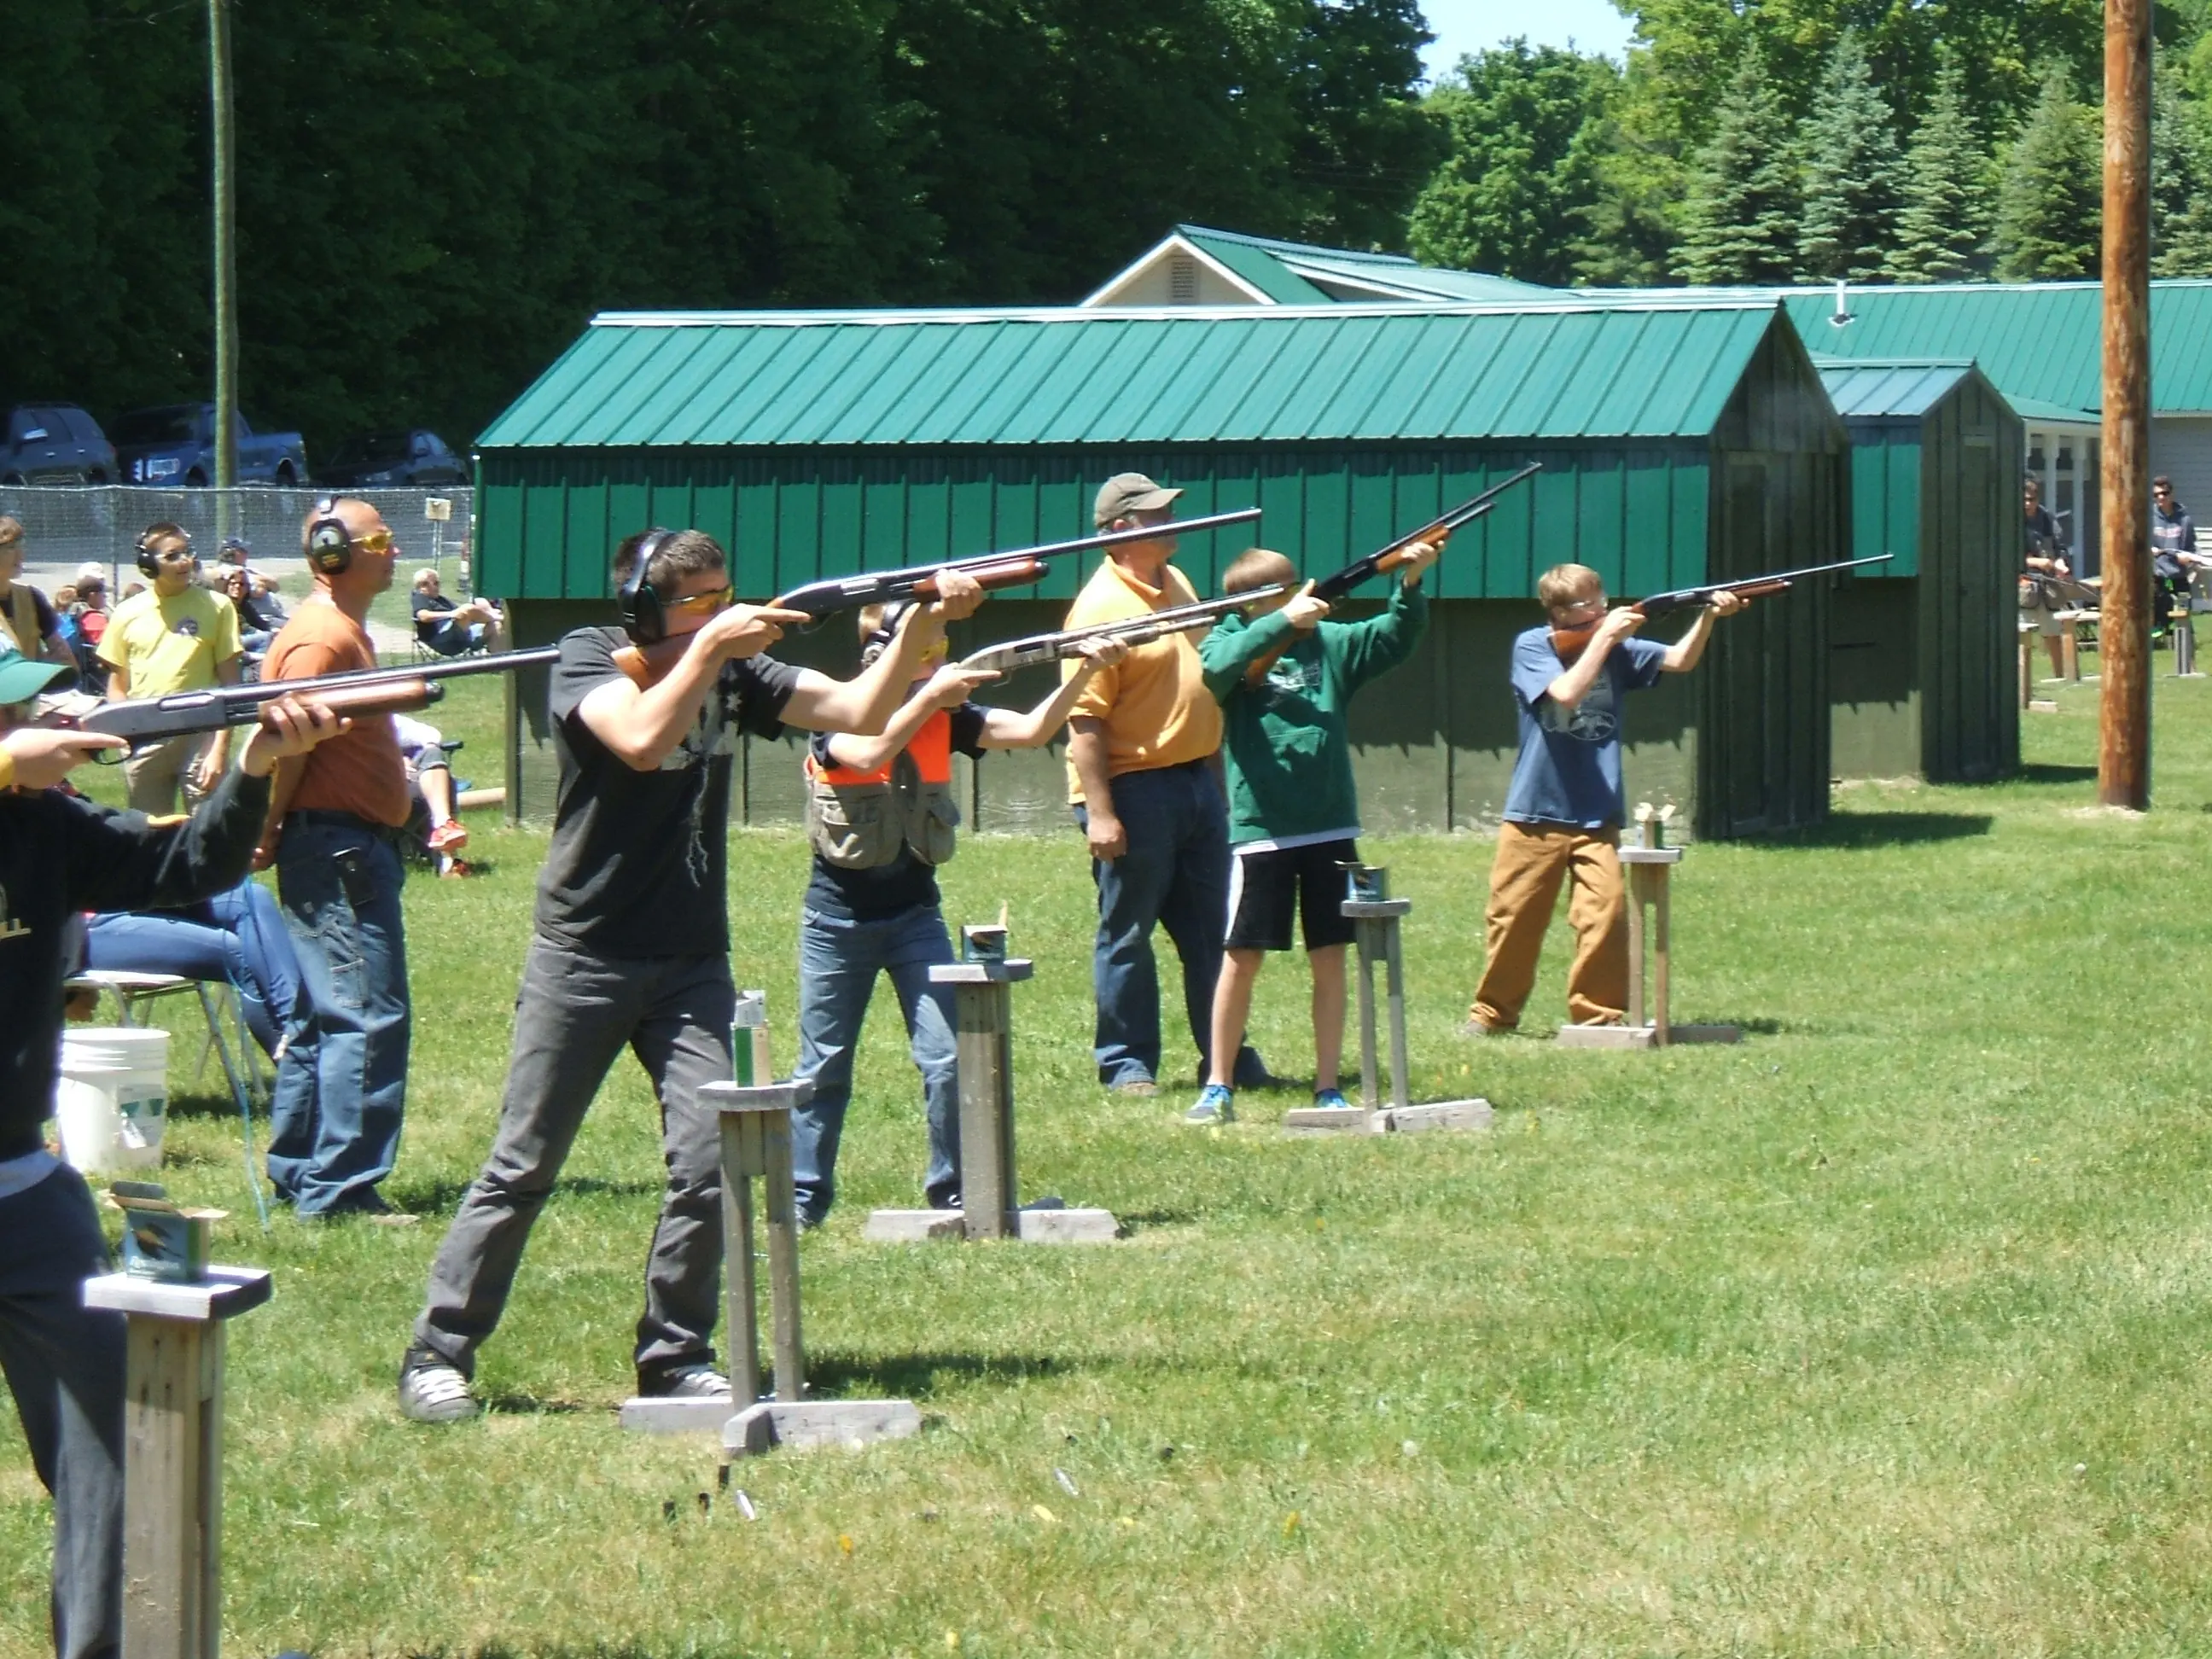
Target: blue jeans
{"points": [[1175, 873], [838, 962], [237, 936], [63, 1362], [342, 1086]]}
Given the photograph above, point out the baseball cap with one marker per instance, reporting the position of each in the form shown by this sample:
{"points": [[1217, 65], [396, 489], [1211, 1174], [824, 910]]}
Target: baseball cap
{"points": [[1129, 492], [22, 679]]}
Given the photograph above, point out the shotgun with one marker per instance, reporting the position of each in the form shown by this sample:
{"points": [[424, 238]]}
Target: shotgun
{"points": [[1569, 641], [1009, 654], [144, 721]]}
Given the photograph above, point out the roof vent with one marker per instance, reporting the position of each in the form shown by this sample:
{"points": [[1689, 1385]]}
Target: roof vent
{"points": [[1183, 280], [1842, 315]]}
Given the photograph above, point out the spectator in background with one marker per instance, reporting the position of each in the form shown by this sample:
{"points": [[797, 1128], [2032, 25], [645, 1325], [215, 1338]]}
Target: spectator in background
{"points": [[176, 636], [235, 583], [28, 619], [2043, 565], [91, 602], [267, 599], [430, 773], [451, 629], [2173, 553]]}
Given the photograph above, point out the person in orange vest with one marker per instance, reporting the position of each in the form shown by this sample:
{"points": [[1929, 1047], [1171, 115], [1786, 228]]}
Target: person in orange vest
{"points": [[881, 816]]}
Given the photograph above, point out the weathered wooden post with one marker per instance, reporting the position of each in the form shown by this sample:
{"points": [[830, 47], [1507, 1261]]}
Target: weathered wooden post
{"points": [[982, 992], [756, 1139], [2123, 471], [1649, 863], [1377, 920], [172, 1453]]}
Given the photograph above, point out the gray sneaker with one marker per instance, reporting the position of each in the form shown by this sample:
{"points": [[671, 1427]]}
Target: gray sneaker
{"points": [[431, 1391], [688, 1382]]}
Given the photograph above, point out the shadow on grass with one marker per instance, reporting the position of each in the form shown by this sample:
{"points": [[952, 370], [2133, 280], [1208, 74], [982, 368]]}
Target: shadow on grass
{"points": [[530, 1405], [2043, 772], [1136, 1221], [919, 1376], [1865, 829], [443, 1197]]}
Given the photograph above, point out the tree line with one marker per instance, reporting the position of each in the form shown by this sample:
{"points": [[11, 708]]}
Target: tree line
{"points": [[1810, 140], [432, 197]]}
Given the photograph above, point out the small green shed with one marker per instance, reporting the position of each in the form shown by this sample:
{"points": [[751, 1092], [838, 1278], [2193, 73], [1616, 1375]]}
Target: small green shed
{"points": [[1921, 675], [1681, 441]]}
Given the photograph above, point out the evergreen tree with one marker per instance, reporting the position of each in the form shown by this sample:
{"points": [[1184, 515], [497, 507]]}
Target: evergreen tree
{"points": [[1740, 224], [2051, 204], [1851, 172], [1946, 210], [2180, 181]]}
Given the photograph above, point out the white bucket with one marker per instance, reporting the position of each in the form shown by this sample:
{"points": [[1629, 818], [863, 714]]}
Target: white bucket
{"points": [[112, 1099]]}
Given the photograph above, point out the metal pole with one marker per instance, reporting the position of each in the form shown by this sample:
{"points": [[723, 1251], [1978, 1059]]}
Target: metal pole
{"points": [[225, 262], [2124, 625]]}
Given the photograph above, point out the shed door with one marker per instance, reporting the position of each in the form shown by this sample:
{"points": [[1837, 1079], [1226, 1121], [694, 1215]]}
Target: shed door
{"points": [[1750, 749]]}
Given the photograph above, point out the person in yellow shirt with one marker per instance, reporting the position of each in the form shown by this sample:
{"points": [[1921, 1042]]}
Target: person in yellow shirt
{"points": [[172, 637], [1142, 777]]}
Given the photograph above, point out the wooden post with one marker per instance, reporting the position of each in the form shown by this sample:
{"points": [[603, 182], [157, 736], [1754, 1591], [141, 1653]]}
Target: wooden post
{"points": [[740, 1289], [1649, 865], [2069, 647], [983, 1000], [173, 1453], [2124, 627], [1394, 961], [1370, 1080]]}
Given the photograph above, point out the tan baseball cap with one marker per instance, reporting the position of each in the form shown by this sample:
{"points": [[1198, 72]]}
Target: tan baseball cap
{"points": [[1129, 492]]}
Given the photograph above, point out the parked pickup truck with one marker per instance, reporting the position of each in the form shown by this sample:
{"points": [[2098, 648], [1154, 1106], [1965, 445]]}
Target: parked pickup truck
{"points": [[175, 444]]}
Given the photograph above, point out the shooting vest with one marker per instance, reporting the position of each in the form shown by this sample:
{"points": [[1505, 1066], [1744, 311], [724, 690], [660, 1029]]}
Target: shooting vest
{"points": [[859, 820]]}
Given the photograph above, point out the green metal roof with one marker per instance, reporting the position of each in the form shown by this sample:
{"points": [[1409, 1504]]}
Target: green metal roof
{"points": [[1896, 388], [2038, 341], [1289, 272], [1183, 374]]}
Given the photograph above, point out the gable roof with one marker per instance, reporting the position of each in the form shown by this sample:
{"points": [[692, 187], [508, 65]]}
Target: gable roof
{"points": [[1562, 369], [1275, 272], [1894, 388]]}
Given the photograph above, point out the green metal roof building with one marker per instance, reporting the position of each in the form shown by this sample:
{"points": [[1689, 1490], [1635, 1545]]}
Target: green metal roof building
{"points": [[1680, 441], [1921, 674], [1195, 266]]}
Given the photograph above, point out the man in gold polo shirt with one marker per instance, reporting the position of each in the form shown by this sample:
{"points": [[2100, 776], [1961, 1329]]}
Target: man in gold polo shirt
{"points": [[1141, 773]]}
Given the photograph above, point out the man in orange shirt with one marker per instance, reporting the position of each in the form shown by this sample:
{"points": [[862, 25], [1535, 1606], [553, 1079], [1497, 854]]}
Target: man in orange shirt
{"points": [[335, 818], [1142, 778]]}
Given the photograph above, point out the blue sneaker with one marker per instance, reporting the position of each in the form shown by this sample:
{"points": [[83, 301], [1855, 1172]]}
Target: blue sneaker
{"points": [[1331, 1100], [1217, 1105]]}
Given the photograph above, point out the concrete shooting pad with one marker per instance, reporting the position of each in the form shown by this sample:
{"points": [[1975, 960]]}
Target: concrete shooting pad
{"points": [[816, 1423], [1391, 1120], [1643, 1037], [1043, 1221]]}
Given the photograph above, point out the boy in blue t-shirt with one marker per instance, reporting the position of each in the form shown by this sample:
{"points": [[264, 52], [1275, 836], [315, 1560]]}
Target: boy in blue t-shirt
{"points": [[1564, 808]]}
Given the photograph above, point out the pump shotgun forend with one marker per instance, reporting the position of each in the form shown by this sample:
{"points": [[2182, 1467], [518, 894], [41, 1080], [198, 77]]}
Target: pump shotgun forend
{"points": [[1015, 567], [143, 720], [1010, 654]]}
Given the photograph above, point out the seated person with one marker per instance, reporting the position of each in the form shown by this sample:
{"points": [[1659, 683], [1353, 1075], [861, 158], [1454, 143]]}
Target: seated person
{"points": [[430, 772], [451, 629], [237, 936], [235, 583], [268, 601]]}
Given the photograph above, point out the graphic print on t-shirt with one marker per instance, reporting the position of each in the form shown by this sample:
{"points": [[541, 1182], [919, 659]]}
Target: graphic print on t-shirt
{"points": [[1595, 719]]}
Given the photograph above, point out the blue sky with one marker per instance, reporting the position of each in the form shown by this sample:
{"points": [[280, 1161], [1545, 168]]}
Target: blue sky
{"points": [[1468, 26]]}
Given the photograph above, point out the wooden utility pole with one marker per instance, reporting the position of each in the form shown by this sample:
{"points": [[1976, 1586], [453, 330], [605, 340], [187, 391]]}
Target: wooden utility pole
{"points": [[226, 259], [2124, 513]]}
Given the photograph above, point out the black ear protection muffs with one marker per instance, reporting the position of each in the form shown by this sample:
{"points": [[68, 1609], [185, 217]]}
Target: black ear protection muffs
{"points": [[147, 561], [641, 616], [330, 543], [885, 633]]}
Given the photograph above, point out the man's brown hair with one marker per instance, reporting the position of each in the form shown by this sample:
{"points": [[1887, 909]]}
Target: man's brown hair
{"points": [[683, 553], [1564, 584], [1257, 567], [164, 534], [11, 531]]}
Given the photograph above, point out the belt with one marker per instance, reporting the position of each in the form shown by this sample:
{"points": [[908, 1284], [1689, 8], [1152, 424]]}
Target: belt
{"points": [[330, 818]]}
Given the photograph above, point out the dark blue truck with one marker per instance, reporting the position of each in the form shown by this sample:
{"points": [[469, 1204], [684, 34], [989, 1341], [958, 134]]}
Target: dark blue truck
{"points": [[174, 444]]}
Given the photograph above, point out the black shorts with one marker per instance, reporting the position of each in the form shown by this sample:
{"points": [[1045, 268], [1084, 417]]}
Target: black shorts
{"points": [[1265, 888]]}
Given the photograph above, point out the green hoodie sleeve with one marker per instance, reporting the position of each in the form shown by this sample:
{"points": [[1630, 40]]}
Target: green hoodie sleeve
{"points": [[1234, 645], [1364, 650]]}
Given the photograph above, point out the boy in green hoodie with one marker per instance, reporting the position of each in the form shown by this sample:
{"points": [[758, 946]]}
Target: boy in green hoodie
{"points": [[1284, 677]]}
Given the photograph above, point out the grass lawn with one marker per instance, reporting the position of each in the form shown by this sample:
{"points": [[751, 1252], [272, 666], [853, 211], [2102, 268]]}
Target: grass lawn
{"points": [[1882, 1331]]}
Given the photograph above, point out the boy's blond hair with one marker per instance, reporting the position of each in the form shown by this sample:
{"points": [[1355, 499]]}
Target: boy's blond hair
{"points": [[1564, 584], [1257, 567]]}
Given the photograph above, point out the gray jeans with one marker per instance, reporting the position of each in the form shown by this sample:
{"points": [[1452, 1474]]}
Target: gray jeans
{"points": [[572, 1017], [64, 1366]]}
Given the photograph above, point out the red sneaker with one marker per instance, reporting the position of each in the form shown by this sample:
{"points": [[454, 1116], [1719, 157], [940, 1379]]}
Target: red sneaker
{"points": [[448, 837]]}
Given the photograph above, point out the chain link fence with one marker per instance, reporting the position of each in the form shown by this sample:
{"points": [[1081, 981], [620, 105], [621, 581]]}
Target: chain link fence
{"points": [[101, 524]]}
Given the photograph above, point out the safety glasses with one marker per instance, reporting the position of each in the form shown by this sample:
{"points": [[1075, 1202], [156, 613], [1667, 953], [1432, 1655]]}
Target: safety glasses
{"points": [[706, 604]]}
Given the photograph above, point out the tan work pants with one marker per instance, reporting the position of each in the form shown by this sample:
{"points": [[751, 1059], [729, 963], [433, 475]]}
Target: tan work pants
{"points": [[155, 776], [1532, 860]]}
